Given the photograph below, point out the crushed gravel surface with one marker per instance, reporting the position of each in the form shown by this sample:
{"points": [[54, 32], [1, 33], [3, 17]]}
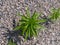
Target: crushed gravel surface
{"points": [[8, 11]]}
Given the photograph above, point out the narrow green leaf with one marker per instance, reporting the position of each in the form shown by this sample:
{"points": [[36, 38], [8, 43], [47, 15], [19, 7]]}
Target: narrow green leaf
{"points": [[35, 15], [26, 36], [29, 32], [25, 28], [41, 20], [33, 31]]}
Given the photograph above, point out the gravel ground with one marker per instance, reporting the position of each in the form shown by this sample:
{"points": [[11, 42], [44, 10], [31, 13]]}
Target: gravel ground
{"points": [[9, 9]]}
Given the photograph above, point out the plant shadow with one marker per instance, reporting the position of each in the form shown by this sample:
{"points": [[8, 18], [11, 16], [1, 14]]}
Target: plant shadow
{"points": [[14, 35]]}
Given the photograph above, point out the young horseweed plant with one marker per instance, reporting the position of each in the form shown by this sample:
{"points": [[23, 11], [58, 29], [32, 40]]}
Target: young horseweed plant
{"points": [[30, 25]]}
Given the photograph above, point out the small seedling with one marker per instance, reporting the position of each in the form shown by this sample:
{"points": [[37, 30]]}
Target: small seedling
{"points": [[10, 42], [55, 14], [30, 25]]}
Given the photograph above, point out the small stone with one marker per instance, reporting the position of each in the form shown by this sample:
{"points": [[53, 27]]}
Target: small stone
{"points": [[53, 33], [37, 44], [34, 38], [2, 42]]}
